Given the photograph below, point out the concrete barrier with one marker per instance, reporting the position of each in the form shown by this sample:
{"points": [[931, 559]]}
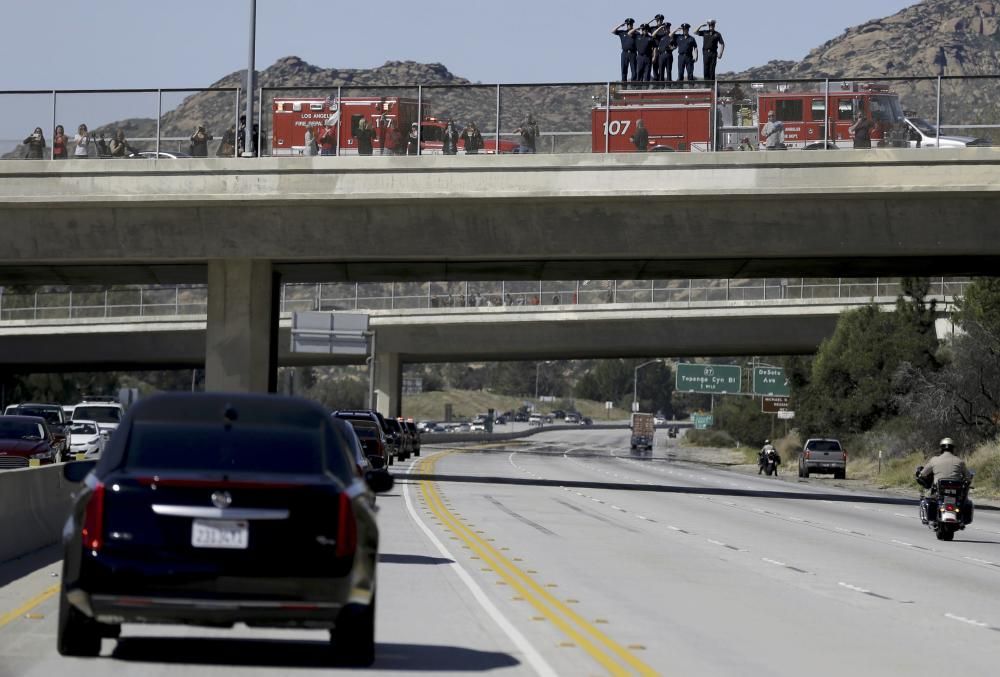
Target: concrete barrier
{"points": [[36, 502]]}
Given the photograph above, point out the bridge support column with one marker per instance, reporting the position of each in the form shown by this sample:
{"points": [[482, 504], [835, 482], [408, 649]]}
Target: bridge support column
{"points": [[241, 351], [388, 384]]}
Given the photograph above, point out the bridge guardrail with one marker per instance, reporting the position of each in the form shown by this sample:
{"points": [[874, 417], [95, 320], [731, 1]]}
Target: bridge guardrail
{"points": [[178, 300], [571, 117]]}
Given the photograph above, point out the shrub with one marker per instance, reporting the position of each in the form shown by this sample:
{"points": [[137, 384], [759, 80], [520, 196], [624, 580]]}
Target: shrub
{"points": [[708, 438]]}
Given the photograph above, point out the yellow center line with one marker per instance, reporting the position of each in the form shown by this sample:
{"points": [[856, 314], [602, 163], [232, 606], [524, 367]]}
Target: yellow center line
{"points": [[491, 556], [46, 594]]}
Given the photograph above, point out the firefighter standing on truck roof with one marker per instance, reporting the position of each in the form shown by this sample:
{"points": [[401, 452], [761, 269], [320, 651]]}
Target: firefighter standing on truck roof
{"points": [[663, 59], [687, 52], [712, 47], [626, 33]]}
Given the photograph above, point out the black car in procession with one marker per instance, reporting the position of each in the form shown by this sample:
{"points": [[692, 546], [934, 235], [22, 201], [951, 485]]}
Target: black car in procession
{"points": [[213, 509]]}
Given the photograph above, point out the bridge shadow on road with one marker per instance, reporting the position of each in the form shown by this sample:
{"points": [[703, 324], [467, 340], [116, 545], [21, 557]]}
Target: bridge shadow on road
{"points": [[303, 654], [674, 489]]}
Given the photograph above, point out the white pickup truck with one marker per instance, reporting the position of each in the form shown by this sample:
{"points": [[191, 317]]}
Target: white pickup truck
{"points": [[924, 135]]}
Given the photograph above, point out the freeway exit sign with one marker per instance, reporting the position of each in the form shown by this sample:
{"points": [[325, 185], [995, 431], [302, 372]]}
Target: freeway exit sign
{"points": [[770, 381], [716, 379], [702, 421]]}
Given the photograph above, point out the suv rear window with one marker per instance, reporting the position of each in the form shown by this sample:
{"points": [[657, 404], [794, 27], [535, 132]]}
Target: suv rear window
{"points": [[159, 445], [98, 413], [823, 445], [50, 415]]}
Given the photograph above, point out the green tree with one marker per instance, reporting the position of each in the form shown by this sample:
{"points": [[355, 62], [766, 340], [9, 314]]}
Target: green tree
{"points": [[742, 419]]}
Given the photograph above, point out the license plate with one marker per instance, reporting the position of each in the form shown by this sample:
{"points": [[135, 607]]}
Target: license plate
{"points": [[232, 535]]}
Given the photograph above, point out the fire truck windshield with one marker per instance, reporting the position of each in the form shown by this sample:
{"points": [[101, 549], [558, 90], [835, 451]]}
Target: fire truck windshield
{"points": [[886, 109]]}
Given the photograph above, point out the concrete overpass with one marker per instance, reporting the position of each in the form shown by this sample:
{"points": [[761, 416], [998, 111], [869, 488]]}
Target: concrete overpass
{"points": [[245, 226], [450, 335]]}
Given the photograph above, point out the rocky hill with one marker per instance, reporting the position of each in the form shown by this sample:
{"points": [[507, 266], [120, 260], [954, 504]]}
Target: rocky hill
{"points": [[934, 37], [931, 38]]}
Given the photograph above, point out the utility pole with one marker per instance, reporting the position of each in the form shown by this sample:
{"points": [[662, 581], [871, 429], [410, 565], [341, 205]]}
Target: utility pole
{"points": [[251, 72]]}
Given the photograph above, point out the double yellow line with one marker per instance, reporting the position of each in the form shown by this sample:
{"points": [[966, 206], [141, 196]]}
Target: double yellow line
{"points": [[614, 657]]}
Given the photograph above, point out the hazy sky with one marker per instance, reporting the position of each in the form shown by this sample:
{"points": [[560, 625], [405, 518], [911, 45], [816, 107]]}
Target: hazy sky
{"points": [[84, 44], [180, 43]]}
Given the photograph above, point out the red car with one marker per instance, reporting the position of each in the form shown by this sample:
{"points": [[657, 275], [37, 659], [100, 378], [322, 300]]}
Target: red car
{"points": [[25, 441]]}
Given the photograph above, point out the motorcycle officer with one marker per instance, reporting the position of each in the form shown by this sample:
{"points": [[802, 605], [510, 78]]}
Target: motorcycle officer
{"points": [[763, 454], [944, 466]]}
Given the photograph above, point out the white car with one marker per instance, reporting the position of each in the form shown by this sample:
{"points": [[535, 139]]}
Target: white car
{"points": [[107, 414], [924, 134], [85, 438]]}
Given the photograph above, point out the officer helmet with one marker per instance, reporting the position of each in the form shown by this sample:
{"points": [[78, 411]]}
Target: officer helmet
{"points": [[767, 441], [658, 17], [947, 444]]}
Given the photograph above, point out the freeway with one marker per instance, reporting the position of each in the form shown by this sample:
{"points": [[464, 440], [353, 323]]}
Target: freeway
{"points": [[563, 555]]}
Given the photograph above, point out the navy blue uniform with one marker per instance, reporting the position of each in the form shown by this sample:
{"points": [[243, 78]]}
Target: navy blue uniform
{"points": [[628, 53], [710, 50], [664, 66], [685, 56], [644, 44]]}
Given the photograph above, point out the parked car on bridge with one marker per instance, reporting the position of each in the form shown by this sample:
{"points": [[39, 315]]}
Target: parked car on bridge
{"points": [[215, 509], [925, 135], [25, 441]]}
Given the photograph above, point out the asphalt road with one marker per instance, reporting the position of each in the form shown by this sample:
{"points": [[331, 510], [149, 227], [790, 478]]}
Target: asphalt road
{"points": [[566, 556]]}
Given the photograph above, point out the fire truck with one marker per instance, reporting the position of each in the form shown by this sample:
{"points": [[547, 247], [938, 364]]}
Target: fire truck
{"points": [[390, 117], [682, 119]]}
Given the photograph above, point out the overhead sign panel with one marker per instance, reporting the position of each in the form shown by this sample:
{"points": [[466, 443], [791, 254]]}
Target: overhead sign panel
{"points": [[769, 404], [702, 421], [715, 379], [770, 381], [330, 333]]}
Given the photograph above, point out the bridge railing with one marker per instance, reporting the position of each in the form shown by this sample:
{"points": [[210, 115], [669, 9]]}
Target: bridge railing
{"points": [[186, 300], [593, 117]]}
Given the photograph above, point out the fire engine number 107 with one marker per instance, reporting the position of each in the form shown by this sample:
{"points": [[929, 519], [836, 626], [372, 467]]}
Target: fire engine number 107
{"points": [[617, 127]]}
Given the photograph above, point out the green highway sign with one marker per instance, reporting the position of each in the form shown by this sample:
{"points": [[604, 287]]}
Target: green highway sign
{"points": [[715, 379], [770, 381], [702, 421]]}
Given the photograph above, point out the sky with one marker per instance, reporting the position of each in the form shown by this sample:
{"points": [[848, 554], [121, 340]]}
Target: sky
{"points": [[192, 43]]}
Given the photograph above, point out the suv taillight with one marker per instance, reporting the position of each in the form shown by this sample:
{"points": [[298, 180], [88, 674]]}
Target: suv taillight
{"points": [[93, 520], [806, 454], [845, 455], [347, 528]]}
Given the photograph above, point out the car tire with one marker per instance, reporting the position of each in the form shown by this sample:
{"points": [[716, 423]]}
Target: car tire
{"points": [[353, 638], [945, 533], [805, 471], [77, 635]]}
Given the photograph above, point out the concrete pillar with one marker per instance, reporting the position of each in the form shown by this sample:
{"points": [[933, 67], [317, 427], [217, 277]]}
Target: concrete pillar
{"points": [[241, 351], [388, 384]]}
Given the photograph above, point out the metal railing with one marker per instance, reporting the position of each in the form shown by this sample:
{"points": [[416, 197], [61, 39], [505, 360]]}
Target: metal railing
{"points": [[590, 117], [186, 300]]}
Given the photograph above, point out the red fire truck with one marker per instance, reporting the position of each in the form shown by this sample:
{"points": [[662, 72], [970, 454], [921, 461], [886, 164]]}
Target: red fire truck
{"points": [[682, 119], [390, 118]]}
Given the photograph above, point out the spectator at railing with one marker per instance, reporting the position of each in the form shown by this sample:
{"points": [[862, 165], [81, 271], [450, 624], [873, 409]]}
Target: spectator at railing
{"points": [[309, 146], [529, 135], [328, 141], [773, 134], [83, 139], [641, 137], [120, 146], [450, 139], [227, 147], [241, 137], [472, 139], [861, 129], [365, 136], [59, 141], [413, 141], [199, 142], [35, 145], [394, 140], [102, 146]]}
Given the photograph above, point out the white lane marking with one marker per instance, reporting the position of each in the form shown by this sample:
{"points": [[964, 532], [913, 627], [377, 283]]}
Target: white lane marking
{"points": [[673, 528], [615, 507], [908, 545], [899, 514], [976, 559], [642, 517], [963, 619], [774, 562], [853, 587], [714, 542], [531, 655]]}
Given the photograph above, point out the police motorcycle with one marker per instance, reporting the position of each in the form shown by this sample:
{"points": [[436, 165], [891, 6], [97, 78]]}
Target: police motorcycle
{"points": [[768, 461], [947, 510]]}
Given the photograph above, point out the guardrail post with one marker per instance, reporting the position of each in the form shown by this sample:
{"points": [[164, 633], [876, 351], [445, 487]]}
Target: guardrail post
{"points": [[614, 291], [340, 117], [70, 304], [52, 148], [236, 126], [840, 281], [159, 115], [260, 121], [141, 309], [690, 290], [1, 303], [714, 133], [392, 287], [607, 118], [356, 292], [105, 303], [34, 311], [826, 115], [937, 127], [177, 305], [319, 296], [497, 149], [727, 290], [420, 117]]}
